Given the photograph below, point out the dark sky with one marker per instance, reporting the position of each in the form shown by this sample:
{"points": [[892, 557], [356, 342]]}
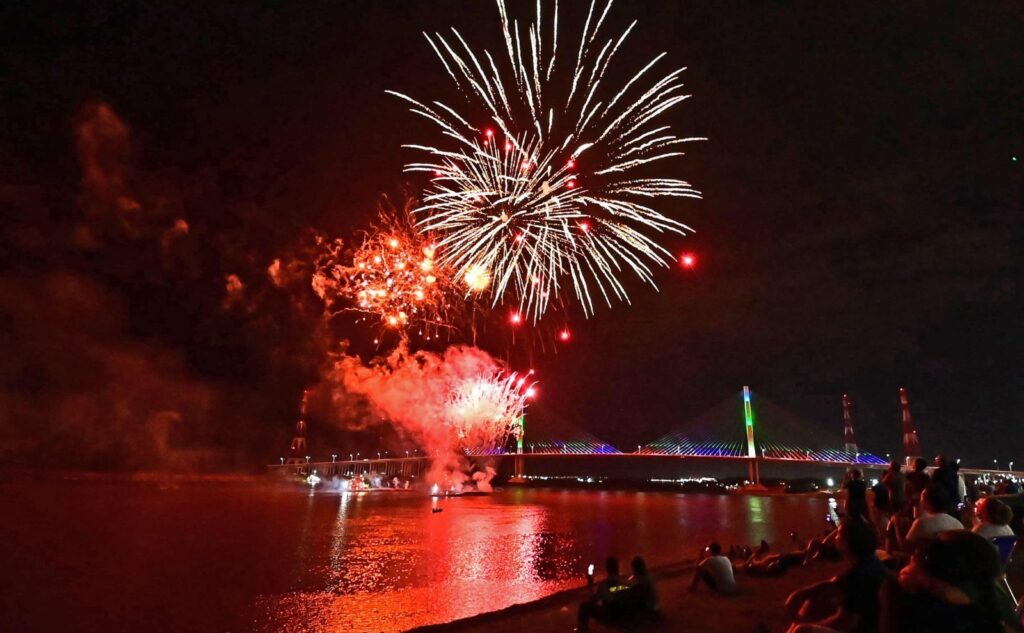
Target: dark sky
{"points": [[860, 228]]}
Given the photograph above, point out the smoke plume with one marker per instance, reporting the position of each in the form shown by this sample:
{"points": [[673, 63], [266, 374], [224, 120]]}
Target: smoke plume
{"points": [[414, 390]]}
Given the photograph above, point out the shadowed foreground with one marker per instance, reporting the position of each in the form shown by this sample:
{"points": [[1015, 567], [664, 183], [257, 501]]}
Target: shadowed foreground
{"points": [[759, 604]]}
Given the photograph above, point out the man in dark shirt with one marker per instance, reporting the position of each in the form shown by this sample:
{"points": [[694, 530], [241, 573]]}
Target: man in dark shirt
{"points": [[896, 483], [917, 481], [856, 495], [945, 477]]}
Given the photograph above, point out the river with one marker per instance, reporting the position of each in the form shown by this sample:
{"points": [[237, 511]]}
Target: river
{"points": [[105, 554]]}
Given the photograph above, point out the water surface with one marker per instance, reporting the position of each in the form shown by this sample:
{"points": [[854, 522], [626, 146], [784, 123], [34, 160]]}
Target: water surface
{"points": [[257, 555]]}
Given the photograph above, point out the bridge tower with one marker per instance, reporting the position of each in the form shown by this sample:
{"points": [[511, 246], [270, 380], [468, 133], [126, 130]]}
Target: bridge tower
{"points": [[848, 440], [748, 419], [297, 452], [911, 445], [518, 467]]}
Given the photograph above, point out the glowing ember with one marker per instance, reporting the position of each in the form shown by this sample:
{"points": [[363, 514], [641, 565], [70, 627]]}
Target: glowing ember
{"points": [[477, 278], [688, 260], [392, 276]]}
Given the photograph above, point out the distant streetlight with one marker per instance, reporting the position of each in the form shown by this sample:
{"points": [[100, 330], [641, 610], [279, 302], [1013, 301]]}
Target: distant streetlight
{"points": [[406, 453], [1011, 465], [996, 463], [307, 459], [282, 460], [350, 457], [378, 454], [638, 448], [334, 457]]}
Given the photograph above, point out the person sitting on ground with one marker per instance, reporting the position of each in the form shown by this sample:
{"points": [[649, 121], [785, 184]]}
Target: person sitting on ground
{"points": [[715, 571], [949, 585], [917, 480], [848, 602], [643, 596], [992, 518], [603, 605], [932, 520], [856, 494]]}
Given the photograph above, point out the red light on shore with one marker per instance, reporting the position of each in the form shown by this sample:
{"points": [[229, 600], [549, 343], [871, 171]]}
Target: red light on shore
{"points": [[688, 260], [564, 335]]}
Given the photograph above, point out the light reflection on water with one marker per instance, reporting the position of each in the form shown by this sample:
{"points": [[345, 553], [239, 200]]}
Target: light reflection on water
{"points": [[273, 558]]}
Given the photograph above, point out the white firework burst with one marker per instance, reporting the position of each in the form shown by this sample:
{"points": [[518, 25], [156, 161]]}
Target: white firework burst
{"points": [[484, 411], [555, 196]]}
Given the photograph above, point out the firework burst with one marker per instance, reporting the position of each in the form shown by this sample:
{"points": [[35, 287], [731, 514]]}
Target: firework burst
{"points": [[484, 411], [550, 193], [393, 277]]}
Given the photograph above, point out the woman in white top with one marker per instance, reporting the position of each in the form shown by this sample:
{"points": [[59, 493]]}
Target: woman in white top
{"points": [[932, 520], [992, 518]]}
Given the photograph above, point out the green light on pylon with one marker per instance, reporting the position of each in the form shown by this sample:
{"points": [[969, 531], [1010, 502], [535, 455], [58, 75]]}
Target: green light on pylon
{"points": [[748, 415], [521, 423]]}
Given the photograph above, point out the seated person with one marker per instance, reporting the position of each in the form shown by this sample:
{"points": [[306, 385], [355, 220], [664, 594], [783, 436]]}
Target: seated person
{"points": [[641, 599], [932, 520], [949, 585], [848, 602], [602, 604], [992, 518], [715, 571]]}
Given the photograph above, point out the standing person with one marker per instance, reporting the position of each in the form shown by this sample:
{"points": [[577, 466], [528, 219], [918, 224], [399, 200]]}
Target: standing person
{"points": [[896, 483], [715, 571], [856, 495], [881, 507], [917, 481], [945, 478]]}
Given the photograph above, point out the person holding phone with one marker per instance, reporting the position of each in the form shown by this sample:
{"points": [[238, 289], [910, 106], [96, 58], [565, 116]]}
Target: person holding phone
{"points": [[715, 571], [603, 604]]}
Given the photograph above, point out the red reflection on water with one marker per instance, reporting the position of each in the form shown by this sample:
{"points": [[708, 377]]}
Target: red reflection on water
{"points": [[130, 556]]}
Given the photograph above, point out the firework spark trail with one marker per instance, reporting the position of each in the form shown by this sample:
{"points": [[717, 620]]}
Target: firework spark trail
{"points": [[557, 200], [483, 411], [392, 276]]}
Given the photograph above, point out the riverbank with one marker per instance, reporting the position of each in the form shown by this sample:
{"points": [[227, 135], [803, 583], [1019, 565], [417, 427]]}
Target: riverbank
{"points": [[758, 607]]}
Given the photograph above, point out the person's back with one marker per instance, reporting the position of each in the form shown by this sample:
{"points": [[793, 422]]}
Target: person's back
{"points": [[949, 586], [643, 595], [856, 495], [715, 570], [933, 518], [945, 477], [917, 481], [881, 497], [896, 484]]}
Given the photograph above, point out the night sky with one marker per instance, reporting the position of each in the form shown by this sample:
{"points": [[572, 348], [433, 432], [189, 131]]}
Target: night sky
{"points": [[860, 228]]}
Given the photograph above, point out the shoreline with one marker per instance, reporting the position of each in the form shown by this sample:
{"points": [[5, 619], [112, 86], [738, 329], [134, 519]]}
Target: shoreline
{"points": [[758, 606], [572, 596]]}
